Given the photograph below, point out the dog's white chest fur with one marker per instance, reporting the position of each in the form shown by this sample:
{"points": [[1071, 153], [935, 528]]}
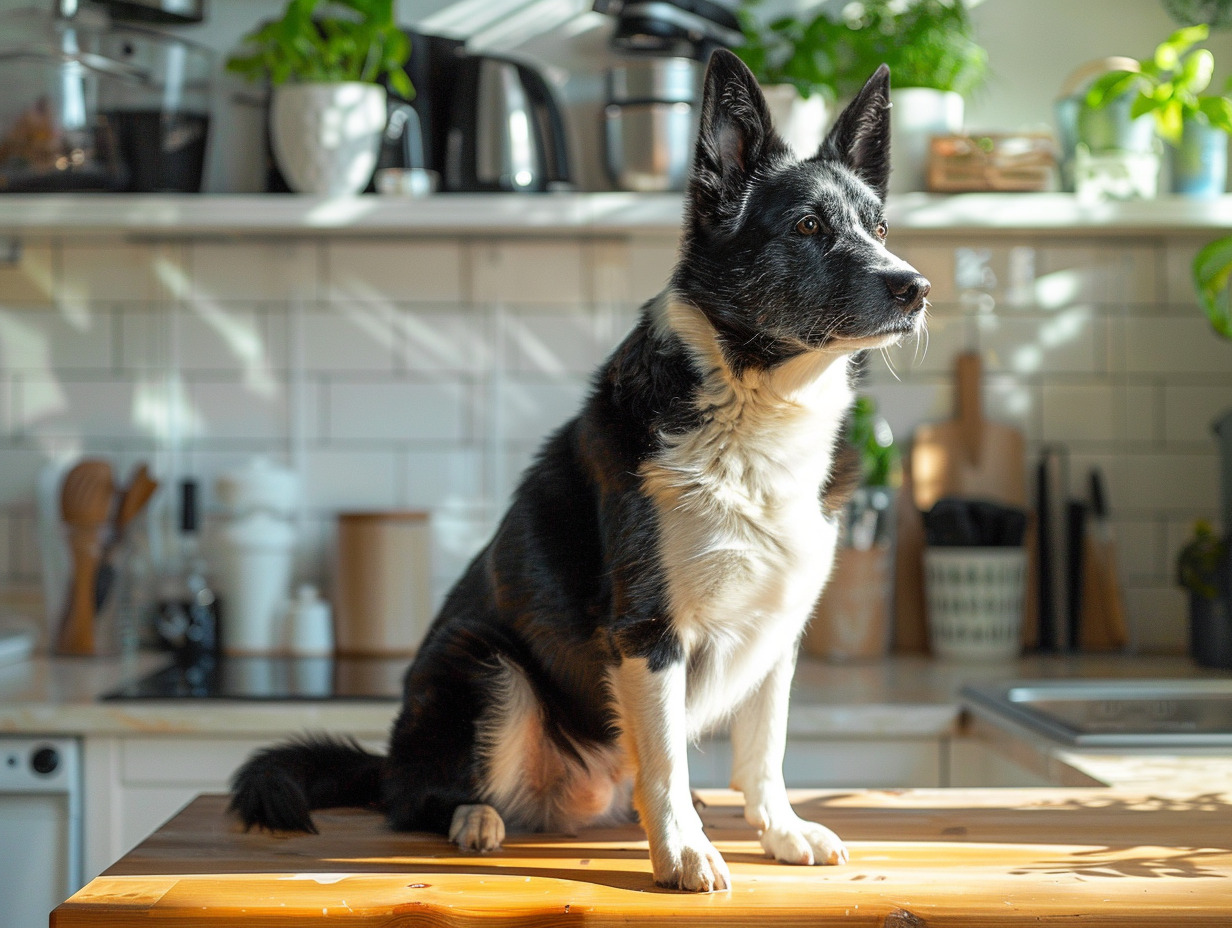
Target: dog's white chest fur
{"points": [[744, 544]]}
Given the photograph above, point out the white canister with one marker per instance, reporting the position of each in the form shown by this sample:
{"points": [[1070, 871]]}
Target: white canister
{"points": [[308, 626], [256, 556], [918, 114]]}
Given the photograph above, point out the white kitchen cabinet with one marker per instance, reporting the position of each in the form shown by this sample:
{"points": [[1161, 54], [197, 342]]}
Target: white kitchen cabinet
{"points": [[974, 763], [134, 784], [834, 762]]}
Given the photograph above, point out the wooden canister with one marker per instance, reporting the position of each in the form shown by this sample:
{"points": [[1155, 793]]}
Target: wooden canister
{"points": [[384, 588]]}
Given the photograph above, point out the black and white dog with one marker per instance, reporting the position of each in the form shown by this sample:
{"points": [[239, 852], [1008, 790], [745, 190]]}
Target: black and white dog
{"points": [[661, 557]]}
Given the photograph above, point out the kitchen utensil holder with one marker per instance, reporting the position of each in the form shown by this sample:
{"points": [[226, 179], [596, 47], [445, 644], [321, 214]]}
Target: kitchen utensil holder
{"points": [[975, 601]]}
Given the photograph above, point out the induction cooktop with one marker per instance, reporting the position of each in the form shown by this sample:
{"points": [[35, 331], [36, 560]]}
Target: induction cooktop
{"points": [[271, 679]]}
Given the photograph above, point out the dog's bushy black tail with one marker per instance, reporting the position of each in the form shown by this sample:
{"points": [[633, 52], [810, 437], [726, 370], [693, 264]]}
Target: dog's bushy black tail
{"points": [[278, 786]]}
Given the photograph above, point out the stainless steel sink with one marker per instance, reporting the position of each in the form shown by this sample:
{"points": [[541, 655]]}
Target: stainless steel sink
{"points": [[1114, 713]]}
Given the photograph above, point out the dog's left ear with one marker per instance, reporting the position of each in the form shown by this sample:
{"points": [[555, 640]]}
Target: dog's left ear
{"points": [[735, 134], [860, 137]]}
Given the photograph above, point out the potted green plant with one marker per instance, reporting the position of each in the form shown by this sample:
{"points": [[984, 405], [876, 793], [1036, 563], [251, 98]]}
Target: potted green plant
{"points": [[1204, 567], [1171, 87], [852, 617], [935, 62], [327, 111], [793, 60]]}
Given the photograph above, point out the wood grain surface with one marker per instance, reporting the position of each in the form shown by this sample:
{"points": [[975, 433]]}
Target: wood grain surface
{"points": [[918, 858]]}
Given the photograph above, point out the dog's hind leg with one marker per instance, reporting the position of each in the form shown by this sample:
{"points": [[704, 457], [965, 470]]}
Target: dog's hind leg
{"points": [[759, 736]]}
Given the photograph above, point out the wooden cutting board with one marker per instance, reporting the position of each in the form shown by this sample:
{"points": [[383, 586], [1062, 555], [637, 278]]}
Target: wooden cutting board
{"points": [[936, 858], [967, 456]]}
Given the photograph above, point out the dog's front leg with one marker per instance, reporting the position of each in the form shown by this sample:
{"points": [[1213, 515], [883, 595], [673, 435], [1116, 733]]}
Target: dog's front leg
{"points": [[652, 709], [759, 737]]}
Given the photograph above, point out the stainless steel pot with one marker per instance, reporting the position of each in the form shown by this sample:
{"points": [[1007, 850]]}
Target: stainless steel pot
{"points": [[649, 146], [650, 122]]}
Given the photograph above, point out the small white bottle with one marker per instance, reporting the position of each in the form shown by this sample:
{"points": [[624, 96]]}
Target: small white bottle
{"points": [[308, 629]]}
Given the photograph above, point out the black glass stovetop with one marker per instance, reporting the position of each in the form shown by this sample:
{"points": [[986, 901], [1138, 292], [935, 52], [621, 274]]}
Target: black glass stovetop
{"points": [[271, 678]]}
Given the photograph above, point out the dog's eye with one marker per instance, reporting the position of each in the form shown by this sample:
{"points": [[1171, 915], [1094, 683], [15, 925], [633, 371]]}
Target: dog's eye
{"points": [[809, 225], [882, 230]]}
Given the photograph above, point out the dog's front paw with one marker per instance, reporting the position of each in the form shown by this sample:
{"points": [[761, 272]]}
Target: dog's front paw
{"points": [[477, 828], [806, 843], [691, 864]]}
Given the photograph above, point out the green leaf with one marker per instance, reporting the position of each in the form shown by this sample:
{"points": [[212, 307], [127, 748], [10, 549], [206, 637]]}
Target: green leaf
{"points": [[1110, 86], [1218, 112], [1211, 268], [1197, 70], [1170, 121]]}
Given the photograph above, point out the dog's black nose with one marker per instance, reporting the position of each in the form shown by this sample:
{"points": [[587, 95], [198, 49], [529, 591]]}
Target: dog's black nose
{"points": [[908, 289]]}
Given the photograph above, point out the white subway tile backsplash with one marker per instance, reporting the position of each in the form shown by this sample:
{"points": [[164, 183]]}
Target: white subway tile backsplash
{"points": [[1174, 344], [426, 373], [242, 411], [949, 334], [382, 273], [19, 470], [545, 342], [352, 478], [436, 340], [529, 273], [906, 405], [651, 259], [350, 337], [387, 411], [1168, 482], [235, 338], [1079, 413], [1138, 412], [29, 279], [119, 272], [251, 271], [529, 410], [47, 341], [1112, 273], [79, 408], [1190, 411], [1157, 618], [1177, 287], [1066, 341], [452, 477], [1139, 550]]}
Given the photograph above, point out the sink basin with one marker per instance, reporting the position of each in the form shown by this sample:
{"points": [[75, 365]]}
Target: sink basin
{"points": [[1114, 713]]}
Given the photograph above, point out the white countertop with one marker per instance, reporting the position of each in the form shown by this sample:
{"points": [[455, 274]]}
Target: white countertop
{"points": [[899, 697], [593, 214]]}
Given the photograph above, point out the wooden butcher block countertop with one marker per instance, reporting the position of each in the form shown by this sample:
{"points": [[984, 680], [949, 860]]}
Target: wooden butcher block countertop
{"points": [[918, 858]]}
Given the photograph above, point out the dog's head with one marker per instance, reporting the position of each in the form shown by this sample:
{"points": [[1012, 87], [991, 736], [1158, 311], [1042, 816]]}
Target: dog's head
{"points": [[786, 255]]}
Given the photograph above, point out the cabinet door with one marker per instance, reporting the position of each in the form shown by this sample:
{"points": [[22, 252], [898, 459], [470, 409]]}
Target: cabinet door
{"points": [[816, 763]]}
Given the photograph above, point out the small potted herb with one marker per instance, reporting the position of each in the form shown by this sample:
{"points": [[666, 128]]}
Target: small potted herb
{"points": [[1171, 87], [935, 62], [793, 60], [327, 113]]}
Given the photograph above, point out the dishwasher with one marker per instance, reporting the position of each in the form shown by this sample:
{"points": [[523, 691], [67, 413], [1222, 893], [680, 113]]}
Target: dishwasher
{"points": [[40, 827]]}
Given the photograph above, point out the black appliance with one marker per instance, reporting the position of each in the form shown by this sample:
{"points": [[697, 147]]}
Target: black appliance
{"points": [[683, 28], [270, 678], [506, 131]]}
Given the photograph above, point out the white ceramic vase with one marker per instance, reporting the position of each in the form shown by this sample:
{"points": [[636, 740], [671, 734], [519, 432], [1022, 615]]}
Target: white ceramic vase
{"points": [[918, 114], [326, 137], [800, 121]]}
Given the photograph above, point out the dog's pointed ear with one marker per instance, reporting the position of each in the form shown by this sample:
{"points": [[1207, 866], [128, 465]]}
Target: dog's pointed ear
{"points": [[734, 135], [860, 137]]}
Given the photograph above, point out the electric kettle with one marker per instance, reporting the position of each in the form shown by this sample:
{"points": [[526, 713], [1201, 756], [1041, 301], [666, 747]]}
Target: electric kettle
{"points": [[506, 130]]}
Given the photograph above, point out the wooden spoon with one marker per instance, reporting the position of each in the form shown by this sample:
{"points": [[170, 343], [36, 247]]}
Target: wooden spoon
{"points": [[85, 503], [141, 486]]}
